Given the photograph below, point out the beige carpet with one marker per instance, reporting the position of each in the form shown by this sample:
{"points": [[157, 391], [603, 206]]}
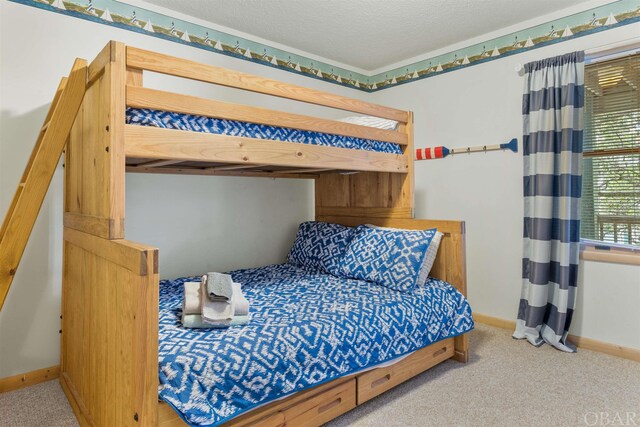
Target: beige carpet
{"points": [[506, 383]]}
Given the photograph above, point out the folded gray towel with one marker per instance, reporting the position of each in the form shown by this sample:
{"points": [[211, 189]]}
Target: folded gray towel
{"points": [[219, 287], [217, 313]]}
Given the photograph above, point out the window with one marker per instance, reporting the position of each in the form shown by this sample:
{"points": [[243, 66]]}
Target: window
{"points": [[611, 165]]}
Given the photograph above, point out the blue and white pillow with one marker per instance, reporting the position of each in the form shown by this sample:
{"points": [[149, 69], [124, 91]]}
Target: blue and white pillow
{"points": [[388, 257], [320, 245], [429, 259]]}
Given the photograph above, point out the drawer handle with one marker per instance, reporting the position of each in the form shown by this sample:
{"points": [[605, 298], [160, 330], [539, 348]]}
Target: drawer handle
{"points": [[381, 381], [330, 405], [439, 352]]}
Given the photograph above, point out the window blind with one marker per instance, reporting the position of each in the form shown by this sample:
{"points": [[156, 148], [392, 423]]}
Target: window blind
{"points": [[611, 169]]}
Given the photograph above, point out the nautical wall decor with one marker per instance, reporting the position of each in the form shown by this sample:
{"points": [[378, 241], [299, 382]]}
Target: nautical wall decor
{"points": [[441, 152], [123, 15]]}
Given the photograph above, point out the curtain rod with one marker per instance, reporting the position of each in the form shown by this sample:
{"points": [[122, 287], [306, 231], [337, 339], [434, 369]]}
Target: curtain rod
{"points": [[604, 52]]}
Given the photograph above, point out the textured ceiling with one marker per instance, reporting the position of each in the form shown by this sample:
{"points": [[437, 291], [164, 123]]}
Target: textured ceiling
{"points": [[368, 34]]}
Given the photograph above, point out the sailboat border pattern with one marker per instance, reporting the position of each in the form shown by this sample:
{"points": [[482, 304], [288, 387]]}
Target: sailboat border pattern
{"points": [[125, 16]]}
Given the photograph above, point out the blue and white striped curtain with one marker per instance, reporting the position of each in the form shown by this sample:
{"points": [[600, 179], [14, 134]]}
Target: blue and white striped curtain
{"points": [[552, 113]]}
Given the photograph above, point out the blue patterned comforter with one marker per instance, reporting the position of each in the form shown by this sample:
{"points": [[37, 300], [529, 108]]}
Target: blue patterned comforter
{"points": [[169, 120], [306, 328]]}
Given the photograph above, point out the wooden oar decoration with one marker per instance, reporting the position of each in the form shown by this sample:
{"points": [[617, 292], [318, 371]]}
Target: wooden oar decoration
{"points": [[442, 152]]}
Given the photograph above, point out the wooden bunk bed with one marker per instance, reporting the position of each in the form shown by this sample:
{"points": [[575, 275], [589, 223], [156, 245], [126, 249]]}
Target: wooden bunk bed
{"points": [[109, 344]]}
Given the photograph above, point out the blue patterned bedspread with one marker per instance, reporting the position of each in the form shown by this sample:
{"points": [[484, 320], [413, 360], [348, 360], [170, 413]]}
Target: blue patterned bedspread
{"points": [[169, 120], [306, 328]]}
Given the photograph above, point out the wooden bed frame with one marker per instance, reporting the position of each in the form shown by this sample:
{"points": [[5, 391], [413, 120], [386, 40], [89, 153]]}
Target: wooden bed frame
{"points": [[109, 344]]}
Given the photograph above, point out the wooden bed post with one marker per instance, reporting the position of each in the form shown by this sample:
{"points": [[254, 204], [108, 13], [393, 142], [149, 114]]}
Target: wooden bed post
{"points": [[95, 157], [109, 342], [458, 277]]}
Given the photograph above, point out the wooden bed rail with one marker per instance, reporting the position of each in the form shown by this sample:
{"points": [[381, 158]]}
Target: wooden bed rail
{"points": [[139, 97], [165, 64], [158, 143]]}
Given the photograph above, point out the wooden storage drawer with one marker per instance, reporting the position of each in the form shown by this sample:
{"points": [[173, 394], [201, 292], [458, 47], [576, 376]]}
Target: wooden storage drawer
{"points": [[372, 383], [322, 407], [276, 419], [309, 408]]}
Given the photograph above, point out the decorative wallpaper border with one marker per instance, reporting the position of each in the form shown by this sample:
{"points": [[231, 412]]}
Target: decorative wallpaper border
{"points": [[125, 16], [602, 18]]}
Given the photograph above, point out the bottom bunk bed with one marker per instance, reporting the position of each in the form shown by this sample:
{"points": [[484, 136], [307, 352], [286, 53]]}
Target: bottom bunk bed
{"points": [[307, 328], [316, 346]]}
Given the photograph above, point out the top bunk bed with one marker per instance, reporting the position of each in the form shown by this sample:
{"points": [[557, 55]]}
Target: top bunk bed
{"points": [[166, 132]]}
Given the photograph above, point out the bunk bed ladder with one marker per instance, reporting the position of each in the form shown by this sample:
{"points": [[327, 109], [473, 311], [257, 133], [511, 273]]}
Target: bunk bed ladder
{"points": [[33, 186]]}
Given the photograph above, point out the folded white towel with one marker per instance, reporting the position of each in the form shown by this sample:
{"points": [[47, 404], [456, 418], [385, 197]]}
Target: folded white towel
{"points": [[191, 303], [215, 312], [240, 303], [194, 321]]}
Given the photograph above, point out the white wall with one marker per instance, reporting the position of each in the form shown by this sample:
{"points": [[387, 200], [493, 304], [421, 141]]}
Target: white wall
{"points": [[481, 105], [200, 223]]}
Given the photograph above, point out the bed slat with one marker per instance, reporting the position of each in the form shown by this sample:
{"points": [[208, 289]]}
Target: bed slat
{"points": [[304, 170], [233, 167], [165, 64], [209, 172], [158, 163]]}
